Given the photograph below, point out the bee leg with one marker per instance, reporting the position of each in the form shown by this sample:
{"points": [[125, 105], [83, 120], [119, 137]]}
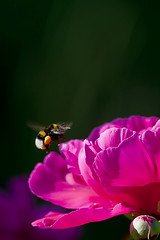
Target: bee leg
{"points": [[55, 141], [62, 138], [48, 148]]}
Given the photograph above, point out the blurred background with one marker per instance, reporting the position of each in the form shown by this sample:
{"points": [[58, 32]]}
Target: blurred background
{"points": [[82, 61]]}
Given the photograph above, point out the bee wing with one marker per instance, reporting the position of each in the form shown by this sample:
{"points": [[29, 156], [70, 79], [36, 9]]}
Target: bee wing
{"points": [[60, 131], [65, 125], [62, 127], [36, 127]]}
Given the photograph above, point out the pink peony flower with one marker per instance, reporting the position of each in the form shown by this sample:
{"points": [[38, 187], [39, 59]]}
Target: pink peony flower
{"points": [[115, 171], [17, 210]]}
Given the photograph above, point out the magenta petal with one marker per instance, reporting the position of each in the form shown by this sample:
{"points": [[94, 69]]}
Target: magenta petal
{"points": [[151, 141], [97, 131], [56, 165], [70, 151], [113, 137], [71, 196], [86, 160], [118, 123], [52, 184], [81, 216], [44, 175], [139, 123], [134, 123], [126, 165]]}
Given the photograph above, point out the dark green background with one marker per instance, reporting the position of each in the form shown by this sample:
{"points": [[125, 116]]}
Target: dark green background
{"points": [[82, 61]]}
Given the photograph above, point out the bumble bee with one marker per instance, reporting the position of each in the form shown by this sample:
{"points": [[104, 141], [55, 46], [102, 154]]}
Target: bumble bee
{"points": [[52, 133]]}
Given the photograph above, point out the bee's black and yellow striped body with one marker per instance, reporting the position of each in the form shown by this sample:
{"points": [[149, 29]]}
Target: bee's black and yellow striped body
{"points": [[47, 135]]}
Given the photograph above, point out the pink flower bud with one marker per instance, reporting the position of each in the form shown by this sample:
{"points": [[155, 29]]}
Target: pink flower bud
{"points": [[145, 227]]}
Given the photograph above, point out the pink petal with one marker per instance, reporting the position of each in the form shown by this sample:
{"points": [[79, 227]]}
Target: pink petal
{"points": [[56, 165], [151, 141], [113, 137], [70, 151], [59, 189], [71, 196], [139, 123], [86, 159], [44, 175], [81, 216], [157, 125], [134, 123], [97, 131], [118, 123], [146, 198], [126, 165]]}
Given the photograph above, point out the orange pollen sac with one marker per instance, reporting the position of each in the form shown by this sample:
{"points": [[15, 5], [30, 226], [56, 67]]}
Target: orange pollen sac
{"points": [[47, 140], [43, 148]]}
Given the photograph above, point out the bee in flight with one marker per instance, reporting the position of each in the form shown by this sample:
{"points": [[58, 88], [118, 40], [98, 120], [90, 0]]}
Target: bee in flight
{"points": [[52, 133]]}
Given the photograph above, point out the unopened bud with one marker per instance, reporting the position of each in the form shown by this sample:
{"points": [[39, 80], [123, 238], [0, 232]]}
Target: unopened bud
{"points": [[145, 227]]}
